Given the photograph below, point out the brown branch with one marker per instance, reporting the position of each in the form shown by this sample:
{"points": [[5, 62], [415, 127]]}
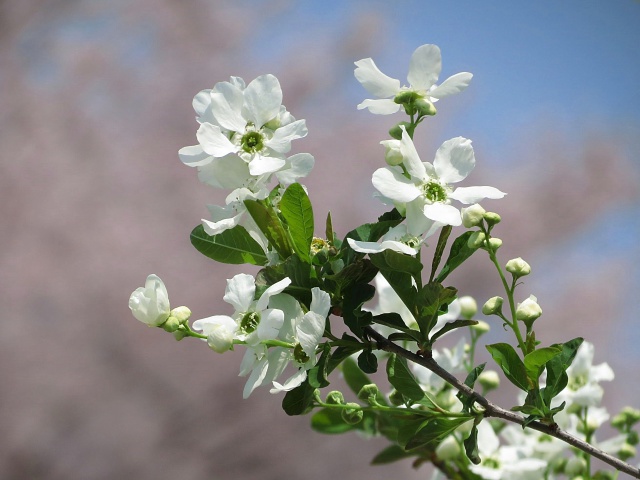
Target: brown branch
{"points": [[492, 410]]}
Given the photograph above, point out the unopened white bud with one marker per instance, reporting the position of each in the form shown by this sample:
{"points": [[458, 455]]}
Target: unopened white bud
{"points": [[493, 306], [468, 306], [489, 379], [529, 310], [481, 327], [182, 314], [476, 240], [392, 155], [518, 267], [472, 216]]}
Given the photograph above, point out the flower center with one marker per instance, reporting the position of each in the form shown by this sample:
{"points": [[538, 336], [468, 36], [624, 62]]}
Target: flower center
{"points": [[250, 322], [410, 241], [299, 355], [577, 382], [252, 142], [434, 192]]}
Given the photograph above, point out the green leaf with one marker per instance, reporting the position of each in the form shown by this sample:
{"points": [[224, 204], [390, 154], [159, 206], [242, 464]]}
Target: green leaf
{"points": [[359, 271], [318, 374], [556, 369], [391, 454], [397, 262], [470, 381], [328, 230], [402, 379], [270, 225], [434, 431], [329, 421], [352, 313], [368, 362], [296, 209], [511, 364], [341, 353], [354, 377], [392, 320], [457, 255], [535, 361], [442, 243], [233, 246], [299, 400], [452, 326], [471, 446]]}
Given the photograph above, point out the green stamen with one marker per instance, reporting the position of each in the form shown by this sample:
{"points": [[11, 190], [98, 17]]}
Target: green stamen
{"points": [[434, 192], [250, 322], [252, 142]]}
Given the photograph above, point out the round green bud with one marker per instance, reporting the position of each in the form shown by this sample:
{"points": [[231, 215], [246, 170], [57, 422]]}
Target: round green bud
{"points": [[493, 306], [494, 244], [518, 267], [424, 107], [632, 437], [171, 325], [489, 379], [468, 306], [472, 216], [528, 311], [449, 449], [392, 155], [481, 327], [476, 240], [369, 393], [492, 218], [396, 130], [627, 451], [181, 313], [353, 414], [335, 398], [575, 466]]}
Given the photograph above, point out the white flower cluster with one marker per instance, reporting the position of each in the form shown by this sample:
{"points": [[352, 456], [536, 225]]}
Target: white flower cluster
{"points": [[274, 328], [244, 137]]}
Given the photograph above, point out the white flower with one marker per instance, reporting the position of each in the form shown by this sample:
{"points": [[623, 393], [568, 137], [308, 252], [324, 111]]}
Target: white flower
{"points": [[451, 360], [249, 122], [424, 70], [397, 239], [583, 388], [150, 304], [426, 190], [505, 462], [220, 331], [305, 333]]}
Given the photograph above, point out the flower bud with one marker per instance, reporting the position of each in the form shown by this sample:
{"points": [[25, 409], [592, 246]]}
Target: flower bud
{"points": [[528, 311], [627, 416], [150, 304], [182, 314], [449, 449], [396, 130], [627, 451], [406, 96], [179, 335], [369, 393], [492, 218], [575, 466], [493, 306], [396, 398], [494, 244], [468, 306], [489, 380], [171, 324], [220, 339], [472, 216], [353, 414], [518, 267], [476, 240], [335, 398], [392, 155], [481, 327], [424, 107]]}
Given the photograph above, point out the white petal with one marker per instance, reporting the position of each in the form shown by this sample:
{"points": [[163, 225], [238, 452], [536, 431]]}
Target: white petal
{"points": [[445, 214], [271, 322], [274, 289], [299, 165], [320, 301], [219, 226], [310, 331], [602, 372], [376, 82], [261, 165], [380, 107], [295, 380], [374, 247], [213, 141], [202, 102], [229, 171], [454, 160], [262, 99], [417, 223], [240, 291], [227, 112], [256, 378], [411, 160], [394, 185], [282, 137], [468, 195], [194, 156], [454, 84], [424, 67]]}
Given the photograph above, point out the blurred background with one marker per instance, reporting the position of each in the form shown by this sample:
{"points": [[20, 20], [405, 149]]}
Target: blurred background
{"points": [[96, 101]]}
